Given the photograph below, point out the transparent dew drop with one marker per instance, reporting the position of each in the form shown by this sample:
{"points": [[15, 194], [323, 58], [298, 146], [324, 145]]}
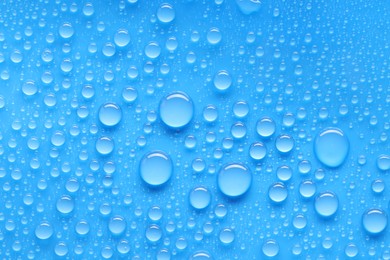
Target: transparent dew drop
{"points": [[163, 254], [156, 168], [66, 30], [378, 186], [214, 36], [200, 198], [110, 114], [226, 236], [326, 204], [374, 221], [104, 145], [152, 50], [248, 6], [65, 204], [238, 130], [299, 221], [265, 127], [61, 249], [284, 173], [166, 13], [270, 248], [351, 250], [29, 88], [44, 230], [201, 255], [383, 162], [278, 193], [210, 113], [123, 247], [234, 180], [284, 143], [155, 213], [222, 80], [122, 38], [117, 225], [153, 233], [331, 147], [241, 109], [257, 151], [129, 94], [82, 228], [307, 189], [176, 110]]}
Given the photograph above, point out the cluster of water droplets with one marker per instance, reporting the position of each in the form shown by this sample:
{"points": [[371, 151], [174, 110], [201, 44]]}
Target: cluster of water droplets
{"points": [[132, 131]]}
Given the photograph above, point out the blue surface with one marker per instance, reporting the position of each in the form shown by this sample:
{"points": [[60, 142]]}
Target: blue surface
{"points": [[194, 129]]}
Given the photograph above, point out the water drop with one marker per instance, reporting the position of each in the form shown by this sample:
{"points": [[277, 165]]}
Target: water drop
{"points": [[383, 162], [299, 221], [214, 36], [123, 247], [66, 30], [241, 109], [265, 127], [129, 94], [152, 50], [210, 113], [378, 186], [238, 130], [351, 250], [155, 213], [110, 114], [222, 80], [277, 192], [234, 180], [200, 198], [29, 88], [122, 38], [176, 110], [326, 204], [307, 189], [248, 6], [284, 173], [117, 225], [58, 138], [44, 230], [201, 255], [165, 13], [331, 147], [257, 151], [284, 143], [270, 248], [65, 204], [104, 145], [156, 168], [226, 236], [82, 228], [153, 233], [374, 221]]}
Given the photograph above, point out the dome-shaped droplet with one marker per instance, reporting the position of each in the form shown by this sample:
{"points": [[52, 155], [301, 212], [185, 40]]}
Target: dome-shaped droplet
{"points": [[234, 180], [117, 225], [326, 204], [284, 173], [307, 189], [270, 248], [44, 230], [284, 143], [152, 50], [210, 113], [166, 13], [82, 228], [65, 204], [29, 88], [176, 110], [156, 168], [214, 36], [257, 151], [299, 221], [110, 114], [200, 198], [122, 38], [374, 221], [222, 80], [278, 193], [226, 236], [201, 255], [66, 30], [153, 233], [265, 127], [383, 162], [104, 145], [331, 147]]}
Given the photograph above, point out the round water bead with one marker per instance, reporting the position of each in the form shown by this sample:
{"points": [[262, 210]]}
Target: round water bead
{"points": [[176, 110], [234, 180], [156, 168]]}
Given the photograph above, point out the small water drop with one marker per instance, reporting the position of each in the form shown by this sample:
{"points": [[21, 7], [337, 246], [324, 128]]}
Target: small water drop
{"points": [[222, 80], [65, 204], [117, 225], [284, 143], [270, 248], [156, 168], [331, 147], [44, 230], [166, 13], [66, 30], [104, 145], [265, 127], [234, 180], [176, 110], [122, 38], [257, 151], [277, 192], [200, 198], [153, 233], [374, 221], [326, 204], [110, 114]]}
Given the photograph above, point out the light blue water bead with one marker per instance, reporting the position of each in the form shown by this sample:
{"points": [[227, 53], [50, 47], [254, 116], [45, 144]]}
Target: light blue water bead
{"points": [[331, 147], [156, 168], [176, 110], [234, 180]]}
